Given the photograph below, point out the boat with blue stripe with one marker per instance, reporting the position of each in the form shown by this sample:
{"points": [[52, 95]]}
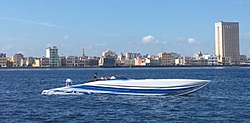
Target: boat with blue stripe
{"points": [[124, 85]]}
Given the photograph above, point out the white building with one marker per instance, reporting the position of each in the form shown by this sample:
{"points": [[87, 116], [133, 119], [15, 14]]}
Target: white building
{"points": [[108, 53], [183, 60], [212, 59], [52, 54]]}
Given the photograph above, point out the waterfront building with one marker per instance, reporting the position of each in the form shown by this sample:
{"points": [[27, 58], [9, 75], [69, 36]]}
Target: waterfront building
{"points": [[52, 54], [183, 60], [198, 55], [71, 61], [108, 53], [17, 60], [107, 61], [129, 55], [152, 61], [200, 61], [226, 61], [140, 61], [9, 62], [91, 62], [227, 42], [3, 60], [108, 58], [121, 59], [36, 63], [243, 59], [63, 60], [212, 59], [129, 62], [166, 58], [44, 62], [81, 61], [29, 61]]}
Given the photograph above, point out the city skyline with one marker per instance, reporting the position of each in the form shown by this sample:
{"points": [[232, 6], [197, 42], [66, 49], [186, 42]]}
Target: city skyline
{"points": [[147, 27]]}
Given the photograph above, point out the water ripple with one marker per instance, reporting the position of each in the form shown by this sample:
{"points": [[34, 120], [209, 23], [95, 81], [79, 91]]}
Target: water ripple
{"points": [[225, 99]]}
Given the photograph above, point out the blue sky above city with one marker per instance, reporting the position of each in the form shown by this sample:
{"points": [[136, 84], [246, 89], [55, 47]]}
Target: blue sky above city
{"points": [[147, 27]]}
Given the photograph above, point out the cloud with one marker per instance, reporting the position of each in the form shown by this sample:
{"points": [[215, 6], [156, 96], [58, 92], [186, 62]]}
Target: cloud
{"points": [[180, 38], [32, 22], [130, 42], [88, 47], [130, 37], [191, 41], [7, 47], [149, 40], [102, 44], [63, 45], [66, 37], [112, 35]]}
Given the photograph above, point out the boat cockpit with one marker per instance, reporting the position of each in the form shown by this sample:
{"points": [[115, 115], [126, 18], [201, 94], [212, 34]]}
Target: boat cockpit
{"points": [[114, 77]]}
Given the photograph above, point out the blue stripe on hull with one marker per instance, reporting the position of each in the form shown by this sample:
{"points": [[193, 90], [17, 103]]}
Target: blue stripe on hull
{"points": [[138, 91]]}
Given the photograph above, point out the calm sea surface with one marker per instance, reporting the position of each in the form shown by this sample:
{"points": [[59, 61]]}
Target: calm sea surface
{"points": [[225, 99]]}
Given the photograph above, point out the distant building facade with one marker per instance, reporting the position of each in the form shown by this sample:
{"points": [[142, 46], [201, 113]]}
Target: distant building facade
{"points": [[227, 41], [17, 60], [36, 63], [243, 59], [44, 62], [3, 60], [166, 58], [183, 60], [52, 54], [212, 59]]}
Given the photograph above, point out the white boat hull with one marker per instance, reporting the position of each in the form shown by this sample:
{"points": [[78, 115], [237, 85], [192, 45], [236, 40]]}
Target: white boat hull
{"points": [[133, 87]]}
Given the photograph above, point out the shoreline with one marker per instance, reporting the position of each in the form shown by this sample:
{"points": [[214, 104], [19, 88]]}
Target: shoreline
{"points": [[169, 66]]}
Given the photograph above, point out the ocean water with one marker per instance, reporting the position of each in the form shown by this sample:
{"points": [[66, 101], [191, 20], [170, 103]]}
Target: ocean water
{"points": [[225, 99]]}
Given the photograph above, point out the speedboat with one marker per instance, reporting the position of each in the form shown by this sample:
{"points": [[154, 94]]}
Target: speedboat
{"points": [[123, 85]]}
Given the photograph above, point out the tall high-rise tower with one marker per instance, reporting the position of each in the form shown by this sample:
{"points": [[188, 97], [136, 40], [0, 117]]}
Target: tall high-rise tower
{"points": [[227, 41], [83, 53]]}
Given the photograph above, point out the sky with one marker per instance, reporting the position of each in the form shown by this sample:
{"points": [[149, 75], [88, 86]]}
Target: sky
{"points": [[140, 26]]}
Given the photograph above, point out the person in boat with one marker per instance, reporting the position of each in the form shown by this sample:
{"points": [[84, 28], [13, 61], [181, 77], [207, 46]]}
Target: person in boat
{"points": [[112, 77], [95, 77], [68, 82], [104, 78]]}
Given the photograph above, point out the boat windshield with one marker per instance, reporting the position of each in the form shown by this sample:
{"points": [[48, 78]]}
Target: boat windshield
{"points": [[117, 77], [120, 77]]}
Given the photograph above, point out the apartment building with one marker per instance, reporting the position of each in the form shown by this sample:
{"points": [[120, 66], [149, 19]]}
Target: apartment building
{"points": [[52, 54], [3, 60]]}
